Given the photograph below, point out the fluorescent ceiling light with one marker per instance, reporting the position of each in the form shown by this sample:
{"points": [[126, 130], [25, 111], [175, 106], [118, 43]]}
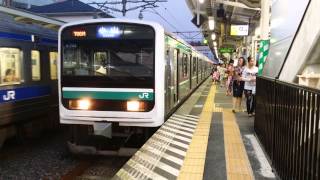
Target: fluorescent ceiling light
{"points": [[213, 36], [215, 43], [211, 23]]}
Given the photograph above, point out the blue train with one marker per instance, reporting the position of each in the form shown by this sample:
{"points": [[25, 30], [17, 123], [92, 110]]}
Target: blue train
{"points": [[28, 77]]}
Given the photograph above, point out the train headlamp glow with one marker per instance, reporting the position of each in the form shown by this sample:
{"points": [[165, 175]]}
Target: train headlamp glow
{"points": [[133, 105], [82, 104]]}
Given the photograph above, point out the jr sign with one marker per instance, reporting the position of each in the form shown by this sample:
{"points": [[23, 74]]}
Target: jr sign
{"points": [[22, 93], [9, 96]]}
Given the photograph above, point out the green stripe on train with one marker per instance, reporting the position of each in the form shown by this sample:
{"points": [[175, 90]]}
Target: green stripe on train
{"points": [[174, 43], [147, 96]]}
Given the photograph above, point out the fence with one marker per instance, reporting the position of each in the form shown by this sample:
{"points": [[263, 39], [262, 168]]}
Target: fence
{"points": [[287, 123]]}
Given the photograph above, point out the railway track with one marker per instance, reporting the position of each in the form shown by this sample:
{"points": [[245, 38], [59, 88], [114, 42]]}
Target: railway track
{"points": [[96, 167], [78, 170], [48, 158]]}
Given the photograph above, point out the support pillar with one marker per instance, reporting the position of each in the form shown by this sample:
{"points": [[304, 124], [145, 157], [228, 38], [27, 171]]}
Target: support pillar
{"points": [[265, 19]]}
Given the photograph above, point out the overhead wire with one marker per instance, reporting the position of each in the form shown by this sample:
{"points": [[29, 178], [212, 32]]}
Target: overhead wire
{"points": [[169, 12], [156, 12], [170, 24], [177, 22]]}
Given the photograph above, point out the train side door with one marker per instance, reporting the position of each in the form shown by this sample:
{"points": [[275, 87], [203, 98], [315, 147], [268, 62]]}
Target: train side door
{"points": [[190, 71], [176, 75], [200, 69], [197, 70], [168, 81]]}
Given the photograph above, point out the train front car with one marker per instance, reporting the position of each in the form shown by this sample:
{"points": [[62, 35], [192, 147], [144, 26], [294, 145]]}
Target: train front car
{"points": [[112, 75]]}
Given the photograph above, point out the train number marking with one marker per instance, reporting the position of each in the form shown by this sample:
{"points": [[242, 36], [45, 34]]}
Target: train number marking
{"points": [[144, 96], [11, 95]]}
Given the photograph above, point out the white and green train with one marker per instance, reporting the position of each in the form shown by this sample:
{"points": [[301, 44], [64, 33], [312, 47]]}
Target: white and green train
{"points": [[124, 74]]}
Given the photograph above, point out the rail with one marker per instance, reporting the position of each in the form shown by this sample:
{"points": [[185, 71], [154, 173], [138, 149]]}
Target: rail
{"points": [[287, 124]]}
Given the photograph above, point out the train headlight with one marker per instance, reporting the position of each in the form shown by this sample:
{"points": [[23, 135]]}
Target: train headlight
{"points": [[82, 104], [133, 105]]}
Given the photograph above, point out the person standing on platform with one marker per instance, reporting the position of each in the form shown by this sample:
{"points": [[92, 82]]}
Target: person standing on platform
{"points": [[221, 70], [238, 85], [230, 71], [249, 75], [215, 75]]}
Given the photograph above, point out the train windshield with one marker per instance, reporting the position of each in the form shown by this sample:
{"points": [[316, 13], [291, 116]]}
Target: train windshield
{"points": [[111, 55]]}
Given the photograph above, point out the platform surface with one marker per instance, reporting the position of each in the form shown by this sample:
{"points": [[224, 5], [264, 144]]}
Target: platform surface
{"points": [[204, 139]]}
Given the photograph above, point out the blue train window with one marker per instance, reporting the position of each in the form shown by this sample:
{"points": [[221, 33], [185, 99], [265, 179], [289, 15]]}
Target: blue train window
{"points": [[35, 61], [10, 66], [53, 56]]}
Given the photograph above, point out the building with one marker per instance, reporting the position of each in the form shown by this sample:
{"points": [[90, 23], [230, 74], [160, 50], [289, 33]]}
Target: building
{"points": [[69, 10]]}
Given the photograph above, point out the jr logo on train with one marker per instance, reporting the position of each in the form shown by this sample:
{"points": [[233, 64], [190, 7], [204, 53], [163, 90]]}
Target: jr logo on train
{"points": [[9, 96]]}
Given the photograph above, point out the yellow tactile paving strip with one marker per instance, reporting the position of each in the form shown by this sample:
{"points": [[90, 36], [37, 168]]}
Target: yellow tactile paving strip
{"points": [[193, 165], [237, 162]]}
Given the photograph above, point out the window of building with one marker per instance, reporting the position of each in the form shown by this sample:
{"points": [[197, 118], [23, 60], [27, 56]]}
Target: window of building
{"points": [[10, 66], [35, 61], [53, 56]]}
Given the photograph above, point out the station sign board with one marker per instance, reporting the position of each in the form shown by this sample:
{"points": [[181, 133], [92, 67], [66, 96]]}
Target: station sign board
{"points": [[226, 50], [239, 30]]}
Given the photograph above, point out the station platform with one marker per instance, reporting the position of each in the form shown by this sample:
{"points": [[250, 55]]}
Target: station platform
{"points": [[202, 140]]}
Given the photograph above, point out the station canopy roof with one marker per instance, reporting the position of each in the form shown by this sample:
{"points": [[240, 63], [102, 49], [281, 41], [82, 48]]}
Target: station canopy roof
{"points": [[226, 13], [31, 18]]}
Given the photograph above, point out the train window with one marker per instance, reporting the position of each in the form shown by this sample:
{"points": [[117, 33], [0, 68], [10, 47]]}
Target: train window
{"points": [[122, 58], [10, 66], [102, 62], [194, 65], [53, 56], [109, 58], [202, 66], [168, 57], [76, 61], [185, 65], [35, 61]]}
